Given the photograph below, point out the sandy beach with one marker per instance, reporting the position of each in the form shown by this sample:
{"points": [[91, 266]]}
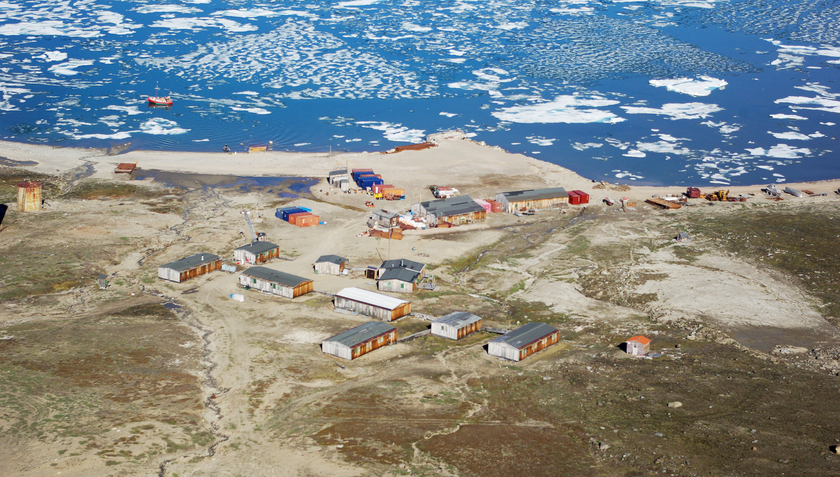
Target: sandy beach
{"points": [[473, 168]]}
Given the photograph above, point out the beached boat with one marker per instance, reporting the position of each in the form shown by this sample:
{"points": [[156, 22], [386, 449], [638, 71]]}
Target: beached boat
{"points": [[159, 100]]}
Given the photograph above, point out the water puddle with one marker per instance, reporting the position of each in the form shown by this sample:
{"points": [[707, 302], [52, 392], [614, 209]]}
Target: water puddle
{"points": [[283, 186], [5, 161]]}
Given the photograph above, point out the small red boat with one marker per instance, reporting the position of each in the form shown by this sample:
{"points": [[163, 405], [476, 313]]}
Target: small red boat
{"points": [[159, 100]]}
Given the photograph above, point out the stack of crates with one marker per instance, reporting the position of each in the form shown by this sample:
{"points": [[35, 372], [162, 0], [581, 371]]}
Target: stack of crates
{"points": [[300, 216]]}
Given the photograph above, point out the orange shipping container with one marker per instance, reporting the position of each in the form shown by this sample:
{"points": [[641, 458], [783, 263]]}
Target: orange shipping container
{"points": [[307, 220], [393, 193]]}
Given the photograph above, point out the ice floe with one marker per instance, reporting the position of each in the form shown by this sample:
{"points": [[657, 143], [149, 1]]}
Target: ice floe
{"points": [[692, 87], [395, 132], [161, 126], [677, 110], [563, 109]]}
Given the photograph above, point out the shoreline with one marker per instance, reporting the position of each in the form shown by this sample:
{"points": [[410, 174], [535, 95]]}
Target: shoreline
{"points": [[475, 169]]}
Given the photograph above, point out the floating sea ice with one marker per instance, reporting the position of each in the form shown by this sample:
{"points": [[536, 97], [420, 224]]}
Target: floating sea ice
{"points": [[781, 151], [395, 132], [563, 109], [787, 116], [692, 87], [625, 175], [52, 56], [252, 110], [634, 153], [825, 103], [677, 110], [540, 141], [580, 146], [448, 115], [765, 167], [792, 135], [301, 144], [166, 9], [130, 110], [161, 126], [69, 68]]}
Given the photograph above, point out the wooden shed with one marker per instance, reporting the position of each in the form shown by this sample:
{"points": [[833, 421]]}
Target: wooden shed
{"points": [[456, 325], [330, 265], [453, 210], [29, 196], [376, 305], [275, 282], [399, 275], [189, 267], [360, 340], [536, 199], [524, 341], [256, 252], [638, 346]]}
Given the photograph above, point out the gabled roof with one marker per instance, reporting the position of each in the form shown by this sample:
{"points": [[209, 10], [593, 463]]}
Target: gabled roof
{"points": [[338, 172], [282, 278], [451, 206], [535, 194], [458, 319], [641, 339], [258, 247], [331, 258], [525, 335], [401, 274], [385, 214], [362, 333], [371, 298], [193, 261], [403, 263]]}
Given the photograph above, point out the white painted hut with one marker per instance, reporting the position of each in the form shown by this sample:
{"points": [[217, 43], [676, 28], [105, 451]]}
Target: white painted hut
{"points": [[524, 341], [360, 340], [330, 265], [456, 325], [376, 305]]}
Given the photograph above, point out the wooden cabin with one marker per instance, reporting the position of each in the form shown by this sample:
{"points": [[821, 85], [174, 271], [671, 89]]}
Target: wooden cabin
{"points": [[189, 267], [456, 325], [275, 282], [330, 265], [453, 211], [524, 341], [376, 305], [536, 199], [360, 340], [257, 252]]}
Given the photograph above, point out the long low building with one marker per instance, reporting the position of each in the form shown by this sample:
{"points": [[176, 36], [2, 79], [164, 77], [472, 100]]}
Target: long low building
{"points": [[524, 341], [376, 305], [453, 210], [456, 325], [360, 340], [189, 267], [256, 252], [275, 282], [532, 199]]}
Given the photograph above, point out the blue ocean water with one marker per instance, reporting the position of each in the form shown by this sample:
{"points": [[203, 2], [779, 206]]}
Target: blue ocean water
{"points": [[665, 92]]}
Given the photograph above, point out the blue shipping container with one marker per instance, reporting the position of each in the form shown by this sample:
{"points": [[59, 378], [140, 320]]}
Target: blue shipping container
{"points": [[295, 210]]}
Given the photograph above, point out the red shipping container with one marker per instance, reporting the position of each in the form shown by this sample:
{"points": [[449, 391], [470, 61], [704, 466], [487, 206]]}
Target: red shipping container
{"points": [[574, 198], [584, 197], [377, 188]]}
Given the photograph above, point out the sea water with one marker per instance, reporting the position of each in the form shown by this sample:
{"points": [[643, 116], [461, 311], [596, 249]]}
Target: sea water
{"points": [[676, 92]]}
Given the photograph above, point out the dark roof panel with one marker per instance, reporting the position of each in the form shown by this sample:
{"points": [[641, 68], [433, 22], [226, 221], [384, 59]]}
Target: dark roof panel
{"points": [[535, 194], [401, 274], [458, 319], [362, 333], [193, 261], [285, 279], [525, 335], [452, 206], [258, 247], [403, 263], [331, 258]]}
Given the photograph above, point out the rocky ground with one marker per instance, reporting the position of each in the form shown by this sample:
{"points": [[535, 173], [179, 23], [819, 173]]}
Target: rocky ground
{"points": [[156, 378]]}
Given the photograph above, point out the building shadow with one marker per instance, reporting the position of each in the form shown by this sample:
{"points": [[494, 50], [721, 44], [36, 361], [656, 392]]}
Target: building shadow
{"points": [[3, 209], [623, 346]]}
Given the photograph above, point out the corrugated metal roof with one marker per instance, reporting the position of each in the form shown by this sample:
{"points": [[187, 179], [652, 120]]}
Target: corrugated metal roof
{"points": [[401, 274], [275, 276], [403, 263], [452, 206], [371, 298], [458, 319], [360, 334], [535, 194], [338, 172], [331, 258], [385, 214], [258, 247], [525, 335], [188, 263]]}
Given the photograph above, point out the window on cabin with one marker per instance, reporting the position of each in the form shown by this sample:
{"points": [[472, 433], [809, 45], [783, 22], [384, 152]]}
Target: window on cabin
{"points": [[254, 280]]}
